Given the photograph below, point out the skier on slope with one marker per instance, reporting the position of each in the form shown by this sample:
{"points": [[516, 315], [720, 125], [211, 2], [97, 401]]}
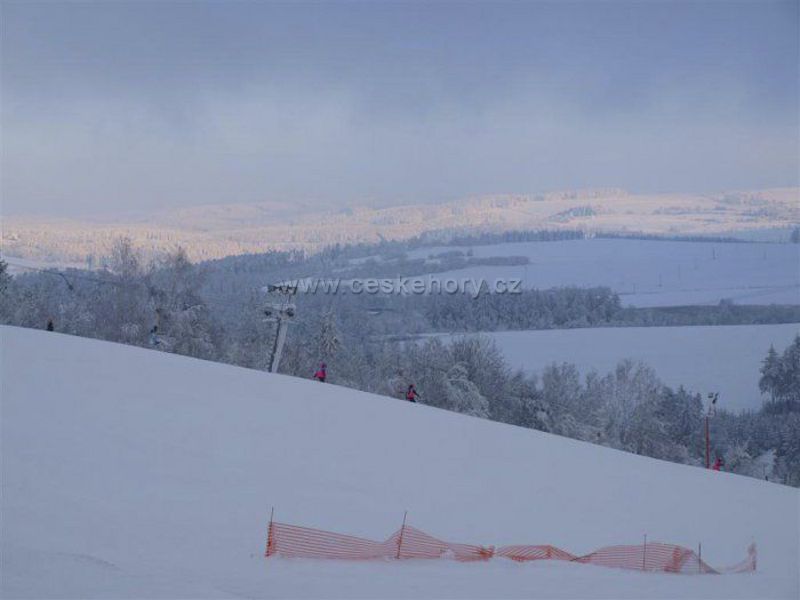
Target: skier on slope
{"points": [[411, 393], [321, 373], [718, 464], [50, 326], [155, 341]]}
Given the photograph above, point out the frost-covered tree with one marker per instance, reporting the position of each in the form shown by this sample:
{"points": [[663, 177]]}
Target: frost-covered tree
{"points": [[563, 395], [5, 276], [630, 414], [771, 372], [427, 367], [124, 260], [682, 413], [5, 292], [485, 367], [126, 314], [327, 338], [648, 434], [522, 404], [737, 459], [787, 454], [780, 377], [183, 318], [462, 395], [250, 343]]}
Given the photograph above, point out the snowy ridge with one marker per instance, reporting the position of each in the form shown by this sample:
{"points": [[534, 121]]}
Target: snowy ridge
{"points": [[133, 473], [214, 231]]}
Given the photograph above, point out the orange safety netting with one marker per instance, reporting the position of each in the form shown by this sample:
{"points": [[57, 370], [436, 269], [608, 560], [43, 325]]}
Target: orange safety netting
{"points": [[408, 542], [651, 557]]}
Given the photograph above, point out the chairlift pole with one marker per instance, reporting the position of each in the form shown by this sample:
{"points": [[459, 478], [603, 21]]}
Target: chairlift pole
{"points": [[277, 349], [281, 313], [712, 409]]}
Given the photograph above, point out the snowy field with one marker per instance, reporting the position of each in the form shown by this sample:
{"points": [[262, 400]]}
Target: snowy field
{"points": [[648, 273], [724, 359], [130, 473]]}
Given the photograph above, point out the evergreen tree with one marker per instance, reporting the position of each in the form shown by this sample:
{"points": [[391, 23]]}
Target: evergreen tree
{"points": [[5, 276], [787, 455], [770, 373], [5, 292], [328, 339], [780, 376]]}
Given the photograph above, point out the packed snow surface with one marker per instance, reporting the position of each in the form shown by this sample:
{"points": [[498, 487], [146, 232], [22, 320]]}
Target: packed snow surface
{"points": [[130, 473], [724, 359], [646, 272]]}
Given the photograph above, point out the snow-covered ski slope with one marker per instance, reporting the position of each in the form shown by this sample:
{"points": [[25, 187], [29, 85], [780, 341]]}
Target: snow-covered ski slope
{"points": [[133, 473]]}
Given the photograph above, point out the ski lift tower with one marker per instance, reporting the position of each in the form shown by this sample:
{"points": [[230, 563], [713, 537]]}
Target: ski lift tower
{"points": [[711, 412], [281, 310]]}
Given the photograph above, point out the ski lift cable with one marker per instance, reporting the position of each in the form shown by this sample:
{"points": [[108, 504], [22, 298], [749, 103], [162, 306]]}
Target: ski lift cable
{"points": [[74, 276], [63, 276], [47, 271]]}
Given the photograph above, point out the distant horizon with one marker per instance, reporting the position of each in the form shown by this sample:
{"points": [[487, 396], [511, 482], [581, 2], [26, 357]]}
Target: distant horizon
{"points": [[215, 231], [134, 212]]}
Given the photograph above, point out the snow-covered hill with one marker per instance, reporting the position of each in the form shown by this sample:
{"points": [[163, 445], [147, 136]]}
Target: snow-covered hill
{"points": [[215, 231], [133, 473]]}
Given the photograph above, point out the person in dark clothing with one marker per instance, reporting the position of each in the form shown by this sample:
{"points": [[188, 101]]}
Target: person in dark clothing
{"points": [[321, 373], [50, 325], [411, 393], [155, 341]]}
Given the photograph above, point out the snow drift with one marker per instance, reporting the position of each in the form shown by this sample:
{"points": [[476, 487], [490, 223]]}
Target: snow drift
{"points": [[133, 473]]}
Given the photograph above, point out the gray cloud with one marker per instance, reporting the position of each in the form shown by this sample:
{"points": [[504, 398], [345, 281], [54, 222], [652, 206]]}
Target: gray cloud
{"points": [[146, 105]]}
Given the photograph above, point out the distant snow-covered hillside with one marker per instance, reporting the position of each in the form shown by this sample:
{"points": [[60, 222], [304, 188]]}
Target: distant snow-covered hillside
{"points": [[131, 473], [724, 359], [215, 231]]}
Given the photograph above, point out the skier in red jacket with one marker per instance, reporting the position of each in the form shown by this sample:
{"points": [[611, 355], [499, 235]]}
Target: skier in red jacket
{"points": [[717, 466], [411, 393], [321, 373]]}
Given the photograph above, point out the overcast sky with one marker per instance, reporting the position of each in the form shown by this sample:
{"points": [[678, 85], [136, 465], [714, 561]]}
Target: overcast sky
{"points": [[121, 106]]}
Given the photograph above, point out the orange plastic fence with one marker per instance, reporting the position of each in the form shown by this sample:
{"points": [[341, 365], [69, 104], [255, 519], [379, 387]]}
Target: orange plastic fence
{"points": [[651, 557], [408, 542]]}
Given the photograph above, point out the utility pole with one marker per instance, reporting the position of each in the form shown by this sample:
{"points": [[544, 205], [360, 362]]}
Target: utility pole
{"points": [[712, 410]]}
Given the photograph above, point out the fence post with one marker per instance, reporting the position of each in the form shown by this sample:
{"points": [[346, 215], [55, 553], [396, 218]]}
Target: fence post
{"points": [[644, 554], [700, 557], [402, 531], [268, 551]]}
